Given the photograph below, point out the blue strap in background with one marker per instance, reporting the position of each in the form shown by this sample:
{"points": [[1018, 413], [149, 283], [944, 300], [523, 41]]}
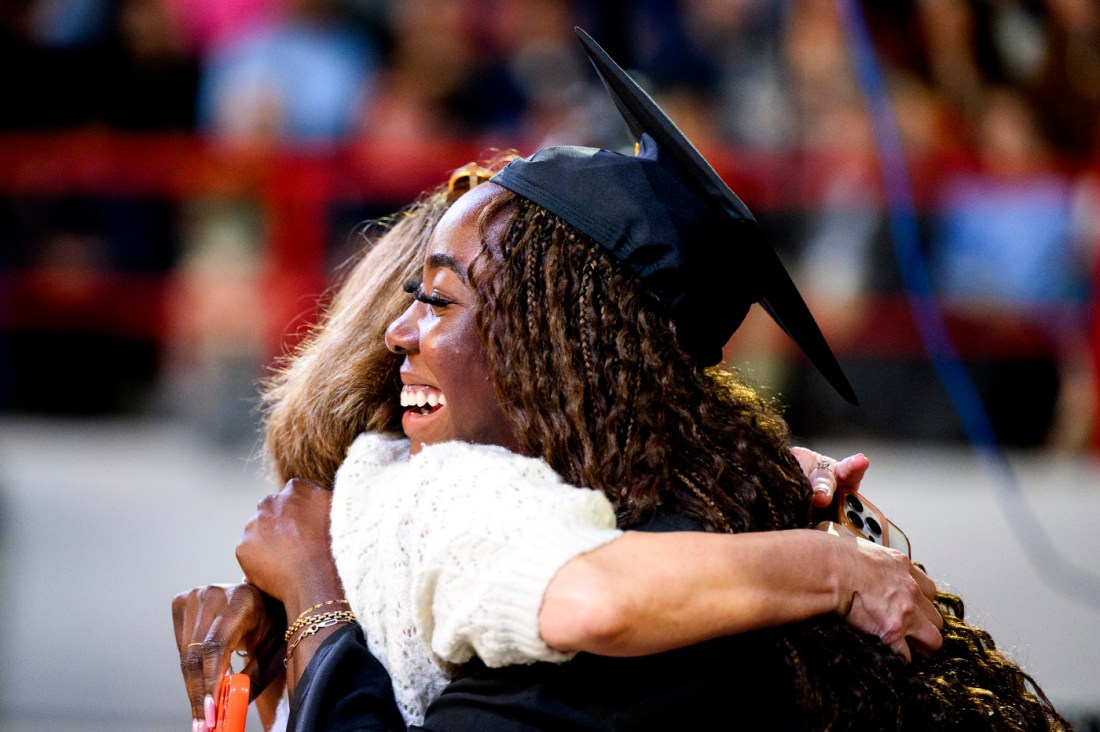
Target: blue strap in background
{"points": [[1055, 570]]}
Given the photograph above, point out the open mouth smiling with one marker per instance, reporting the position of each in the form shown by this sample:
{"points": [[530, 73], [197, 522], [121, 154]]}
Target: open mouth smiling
{"points": [[422, 399]]}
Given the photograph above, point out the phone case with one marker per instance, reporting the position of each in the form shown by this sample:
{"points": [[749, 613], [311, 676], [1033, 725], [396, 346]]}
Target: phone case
{"points": [[232, 705], [859, 516]]}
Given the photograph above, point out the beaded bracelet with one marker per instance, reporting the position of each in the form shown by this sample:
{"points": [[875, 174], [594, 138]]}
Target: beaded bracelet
{"points": [[302, 621], [325, 620]]}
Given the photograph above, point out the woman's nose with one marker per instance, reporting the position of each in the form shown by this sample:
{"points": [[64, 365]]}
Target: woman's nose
{"points": [[402, 335]]}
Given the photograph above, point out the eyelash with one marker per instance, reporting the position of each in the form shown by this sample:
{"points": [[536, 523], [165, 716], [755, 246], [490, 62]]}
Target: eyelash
{"points": [[416, 289]]}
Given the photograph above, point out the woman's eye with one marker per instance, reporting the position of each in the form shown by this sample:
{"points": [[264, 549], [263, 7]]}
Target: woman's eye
{"points": [[416, 289], [434, 300]]}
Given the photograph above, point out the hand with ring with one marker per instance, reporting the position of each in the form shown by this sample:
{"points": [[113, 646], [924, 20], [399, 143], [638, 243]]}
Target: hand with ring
{"points": [[826, 474], [210, 623]]}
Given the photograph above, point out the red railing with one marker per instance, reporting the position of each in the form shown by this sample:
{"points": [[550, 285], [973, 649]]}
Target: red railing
{"points": [[295, 189]]}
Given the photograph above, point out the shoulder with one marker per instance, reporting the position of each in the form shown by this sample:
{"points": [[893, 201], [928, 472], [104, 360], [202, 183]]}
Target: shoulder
{"points": [[487, 480], [373, 451], [470, 457]]}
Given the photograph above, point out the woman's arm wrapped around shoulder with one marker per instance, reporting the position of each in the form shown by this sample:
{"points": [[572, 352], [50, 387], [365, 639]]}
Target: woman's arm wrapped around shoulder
{"points": [[525, 567], [652, 592]]}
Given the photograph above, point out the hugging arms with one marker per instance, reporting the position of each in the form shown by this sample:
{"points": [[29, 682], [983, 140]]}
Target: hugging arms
{"points": [[510, 522], [284, 521], [548, 326], [603, 601]]}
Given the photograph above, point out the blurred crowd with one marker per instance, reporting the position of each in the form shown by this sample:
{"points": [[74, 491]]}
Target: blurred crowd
{"points": [[997, 101]]}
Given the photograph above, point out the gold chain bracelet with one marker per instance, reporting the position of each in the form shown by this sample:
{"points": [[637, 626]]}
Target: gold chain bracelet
{"points": [[303, 621], [320, 622]]}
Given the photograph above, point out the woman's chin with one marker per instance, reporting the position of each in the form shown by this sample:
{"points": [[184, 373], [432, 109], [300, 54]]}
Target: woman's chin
{"points": [[425, 428]]}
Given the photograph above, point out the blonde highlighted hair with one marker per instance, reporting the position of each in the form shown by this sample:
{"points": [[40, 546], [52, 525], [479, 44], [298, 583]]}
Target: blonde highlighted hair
{"points": [[341, 379]]}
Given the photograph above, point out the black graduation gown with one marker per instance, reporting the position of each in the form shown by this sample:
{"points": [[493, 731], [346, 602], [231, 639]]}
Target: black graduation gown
{"points": [[739, 682]]}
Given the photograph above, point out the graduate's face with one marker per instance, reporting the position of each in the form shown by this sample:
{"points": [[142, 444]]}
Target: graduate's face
{"points": [[445, 379]]}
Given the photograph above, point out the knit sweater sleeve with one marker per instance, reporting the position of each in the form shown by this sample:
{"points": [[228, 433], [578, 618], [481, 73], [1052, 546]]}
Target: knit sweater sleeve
{"points": [[447, 555]]}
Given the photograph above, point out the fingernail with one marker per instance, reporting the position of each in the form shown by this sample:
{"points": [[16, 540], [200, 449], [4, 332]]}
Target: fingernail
{"points": [[208, 710], [197, 725]]}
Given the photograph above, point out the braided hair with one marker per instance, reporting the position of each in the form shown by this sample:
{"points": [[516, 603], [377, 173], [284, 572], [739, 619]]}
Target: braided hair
{"points": [[592, 379], [598, 385]]}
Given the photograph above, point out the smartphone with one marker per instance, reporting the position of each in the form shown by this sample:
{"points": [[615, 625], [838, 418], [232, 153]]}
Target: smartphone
{"points": [[859, 516], [232, 704]]}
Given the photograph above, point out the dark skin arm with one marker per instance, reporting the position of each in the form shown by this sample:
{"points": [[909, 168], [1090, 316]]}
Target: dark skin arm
{"points": [[285, 553]]}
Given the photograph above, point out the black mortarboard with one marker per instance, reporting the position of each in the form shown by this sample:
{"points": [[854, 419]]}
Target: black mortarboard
{"points": [[669, 218]]}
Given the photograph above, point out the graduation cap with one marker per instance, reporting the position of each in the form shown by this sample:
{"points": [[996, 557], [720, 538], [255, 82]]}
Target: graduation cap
{"points": [[667, 216]]}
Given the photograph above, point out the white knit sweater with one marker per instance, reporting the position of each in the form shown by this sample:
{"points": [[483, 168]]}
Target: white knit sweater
{"points": [[447, 554]]}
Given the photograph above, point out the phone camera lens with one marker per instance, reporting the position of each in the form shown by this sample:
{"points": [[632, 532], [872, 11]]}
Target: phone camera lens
{"points": [[856, 519], [854, 503], [873, 525]]}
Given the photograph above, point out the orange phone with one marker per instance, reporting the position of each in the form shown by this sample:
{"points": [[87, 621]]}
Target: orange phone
{"points": [[232, 704], [860, 517]]}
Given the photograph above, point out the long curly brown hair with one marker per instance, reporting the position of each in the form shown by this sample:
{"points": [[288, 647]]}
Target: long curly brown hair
{"points": [[590, 375], [575, 345]]}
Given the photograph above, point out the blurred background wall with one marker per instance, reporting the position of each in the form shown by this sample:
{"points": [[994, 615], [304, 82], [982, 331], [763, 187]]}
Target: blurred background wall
{"points": [[181, 179]]}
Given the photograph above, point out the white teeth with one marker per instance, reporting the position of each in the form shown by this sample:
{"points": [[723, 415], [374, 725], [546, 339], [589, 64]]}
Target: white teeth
{"points": [[421, 396]]}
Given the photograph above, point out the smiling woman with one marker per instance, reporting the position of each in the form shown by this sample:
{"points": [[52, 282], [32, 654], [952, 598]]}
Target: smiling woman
{"points": [[580, 336], [438, 335], [341, 383]]}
